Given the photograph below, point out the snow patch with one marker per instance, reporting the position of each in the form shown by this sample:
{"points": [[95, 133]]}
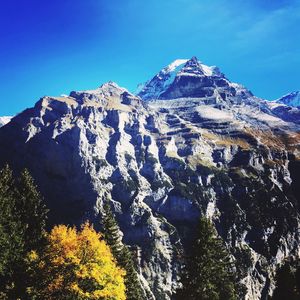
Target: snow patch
{"points": [[209, 112], [4, 120], [174, 65]]}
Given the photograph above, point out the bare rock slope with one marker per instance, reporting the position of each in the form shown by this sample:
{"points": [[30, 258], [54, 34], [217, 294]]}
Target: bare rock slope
{"points": [[190, 143]]}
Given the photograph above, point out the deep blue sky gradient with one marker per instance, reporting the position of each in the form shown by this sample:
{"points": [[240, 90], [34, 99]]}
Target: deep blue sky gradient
{"points": [[53, 47]]}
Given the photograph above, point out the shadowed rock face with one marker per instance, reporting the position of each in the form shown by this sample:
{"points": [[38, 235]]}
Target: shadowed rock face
{"points": [[216, 151]]}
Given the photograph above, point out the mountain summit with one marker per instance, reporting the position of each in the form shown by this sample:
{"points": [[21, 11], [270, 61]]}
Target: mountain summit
{"points": [[190, 144], [292, 99], [188, 78], [161, 81]]}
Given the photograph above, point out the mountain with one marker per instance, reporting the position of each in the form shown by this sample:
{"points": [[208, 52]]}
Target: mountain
{"points": [[287, 107], [190, 143], [292, 99], [189, 78], [284, 111], [4, 120], [152, 88]]}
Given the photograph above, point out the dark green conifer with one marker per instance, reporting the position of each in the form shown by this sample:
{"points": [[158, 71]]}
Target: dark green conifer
{"points": [[32, 211], [208, 274], [11, 232], [286, 283], [122, 254], [22, 222]]}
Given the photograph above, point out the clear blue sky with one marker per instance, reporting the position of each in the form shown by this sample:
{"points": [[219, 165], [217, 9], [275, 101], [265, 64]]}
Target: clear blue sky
{"points": [[53, 47]]}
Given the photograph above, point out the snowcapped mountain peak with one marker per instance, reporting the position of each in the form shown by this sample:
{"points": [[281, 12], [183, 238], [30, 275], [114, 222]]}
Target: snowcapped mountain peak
{"points": [[193, 63], [189, 79], [162, 81], [194, 67], [206, 146], [292, 99]]}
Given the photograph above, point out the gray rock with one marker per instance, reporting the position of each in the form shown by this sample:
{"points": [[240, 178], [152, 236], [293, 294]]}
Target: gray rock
{"points": [[163, 163]]}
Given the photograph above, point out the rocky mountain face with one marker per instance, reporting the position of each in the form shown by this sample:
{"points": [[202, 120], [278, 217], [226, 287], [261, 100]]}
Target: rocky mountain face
{"points": [[287, 107], [284, 111], [190, 143], [188, 78]]}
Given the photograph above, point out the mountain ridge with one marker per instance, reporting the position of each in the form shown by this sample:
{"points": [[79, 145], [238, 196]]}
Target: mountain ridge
{"points": [[291, 99], [160, 86], [217, 151]]}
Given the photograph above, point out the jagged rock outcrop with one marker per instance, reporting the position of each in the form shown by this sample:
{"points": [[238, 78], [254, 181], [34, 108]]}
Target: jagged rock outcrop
{"points": [[190, 143]]}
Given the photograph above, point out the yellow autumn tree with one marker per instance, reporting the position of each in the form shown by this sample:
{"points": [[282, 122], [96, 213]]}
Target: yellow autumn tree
{"points": [[75, 265]]}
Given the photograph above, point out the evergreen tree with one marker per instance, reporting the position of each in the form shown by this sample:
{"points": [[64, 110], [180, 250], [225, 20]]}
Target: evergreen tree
{"points": [[111, 231], [122, 254], [11, 239], [208, 274], [287, 285], [297, 277], [22, 222], [32, 211]]}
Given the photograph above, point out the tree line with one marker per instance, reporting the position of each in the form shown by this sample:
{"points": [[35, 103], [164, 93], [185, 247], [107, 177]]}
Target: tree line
{"points": [[68, 263], [65, 263]]}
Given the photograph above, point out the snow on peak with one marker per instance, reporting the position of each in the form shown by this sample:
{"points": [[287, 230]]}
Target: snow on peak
{"points": [[172, 69], [161, 81], [194, 67], [178, 68], [174, 65], [292, 99], [4, 120]]}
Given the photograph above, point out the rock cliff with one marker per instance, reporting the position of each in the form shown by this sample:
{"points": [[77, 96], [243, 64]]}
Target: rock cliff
{"points": [[190, 143]]}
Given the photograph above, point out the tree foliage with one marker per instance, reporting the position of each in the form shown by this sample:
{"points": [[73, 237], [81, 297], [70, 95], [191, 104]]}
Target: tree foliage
{"points": [[208, 274], [122, 254], [287, 282], [75, 265], [32, 212], [22, 223]]}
